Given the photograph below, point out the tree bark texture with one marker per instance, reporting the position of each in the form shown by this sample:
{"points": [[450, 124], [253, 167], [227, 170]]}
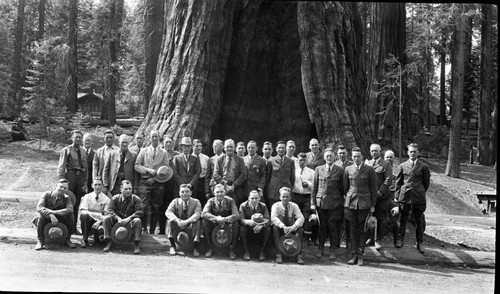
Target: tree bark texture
{"points": [[114, 50], [442, 81], [72, 102], [153, 30], [41, 19], [459, 54], [484, 115], [13, 106]]}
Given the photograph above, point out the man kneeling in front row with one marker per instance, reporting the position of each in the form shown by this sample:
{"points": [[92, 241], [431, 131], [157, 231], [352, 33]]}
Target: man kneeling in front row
{"points": [[125, 209], [254, 221]]}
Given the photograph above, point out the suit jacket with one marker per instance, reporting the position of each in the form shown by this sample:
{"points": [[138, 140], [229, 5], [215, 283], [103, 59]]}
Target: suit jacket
{"points": [[256, 169], [181, 174], [228, 209], [175, 208], [361, 187], [246, 211], [314, 161], [145, 164], [383, 169], [90, 163], [412, 183], [240, 175], [279, 175], [112, 166], [100, 159], [327, 190], [343, 164], [209, 182]]}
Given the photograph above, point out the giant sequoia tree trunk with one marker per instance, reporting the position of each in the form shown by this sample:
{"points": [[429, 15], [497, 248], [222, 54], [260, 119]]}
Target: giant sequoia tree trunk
{"points": [[260, 70], [483, 144]]}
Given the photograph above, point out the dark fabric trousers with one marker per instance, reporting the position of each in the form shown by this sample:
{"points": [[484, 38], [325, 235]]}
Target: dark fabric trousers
{"points": [[278, 232], [68, 220], [330, 225], [381, 213], [86, 222], [152, 199], [418, 211], [109, 221], [356, 219], [168, 196], [247, 231], [208, 227], [75, 185], [304, 203]]}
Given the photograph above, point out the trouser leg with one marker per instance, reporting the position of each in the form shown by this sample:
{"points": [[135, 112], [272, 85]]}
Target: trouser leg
{"points": [[42, 222], [235, 227], [156, 202], [267, 233], [418, 211], [207, 231], [277, 232], [144, 191], [86, 222], [137, 228], [243, 235], [107, 224], [323, 229], [404, 210]]}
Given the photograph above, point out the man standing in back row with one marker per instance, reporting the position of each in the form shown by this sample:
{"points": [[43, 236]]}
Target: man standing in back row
{"points": [[280, 173]]}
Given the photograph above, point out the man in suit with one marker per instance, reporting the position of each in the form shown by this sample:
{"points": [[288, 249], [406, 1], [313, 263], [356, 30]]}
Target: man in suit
{"points": [[315, 157], [93, 207], [170, 185], [287, 219], [220, 210], [383, 169], [360, 185], [231, 172], [101, 154], [343, 161], [267, 151], [249, 227], [150, 191], [256, 170], [412, 181], [119, 166], [394, 207], [200, 186], [328, 197], [87, 144], [217, 147], [280, 173], [185, 213], [187, 168]]}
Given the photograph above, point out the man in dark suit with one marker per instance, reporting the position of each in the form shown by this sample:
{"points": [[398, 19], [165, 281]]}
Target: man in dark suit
{"points": [[87, 144], [249, 227], [360, 184], [412, 181], [256, 170], [383, 169], [231, 172], [343, 161], [101, 154], [186, 166], [119, 166], [280, 173]]}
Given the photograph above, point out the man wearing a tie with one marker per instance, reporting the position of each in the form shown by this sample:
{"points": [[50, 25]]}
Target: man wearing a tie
{"points": [[185, 213], [87, 144], [280, 173], [186, 167], [119, 166], [92, 210], [256, 170], [101, 155], [315, 157], [267, 150], [287, 219], [412, 181], [220, 210]]}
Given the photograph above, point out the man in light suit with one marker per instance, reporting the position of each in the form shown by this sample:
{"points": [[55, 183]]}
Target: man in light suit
{"points": [[231, 172], [315, 157], [186, 166], [184, 212], [343, 161], [256, 170], [412, 181], [360, 186], [101, 154], [150, 191], [383, 169], [119, 166], [218, 147], [328, 196], [280, 173], [249, 227], [200, 188], [87, 144]]}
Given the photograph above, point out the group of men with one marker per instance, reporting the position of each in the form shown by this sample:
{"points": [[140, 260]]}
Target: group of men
{"points": [[314, 195]]}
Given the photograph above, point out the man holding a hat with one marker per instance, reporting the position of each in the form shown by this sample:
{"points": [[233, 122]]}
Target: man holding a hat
{"points": [[125, 210], [183, 216], [186, 166], [217, 147], [360, 185], [55, 210], [287, 226], [151, 184], [220, 221], [170, 185], [254, 220], [92, 209], [119, 166]]}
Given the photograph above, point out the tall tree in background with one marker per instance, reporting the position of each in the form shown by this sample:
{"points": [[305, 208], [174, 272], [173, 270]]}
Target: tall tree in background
{"points": [[73, 56], [13, 104], [41, 19], [458, 72], [485, 154], [442, 78], [153, 29]]}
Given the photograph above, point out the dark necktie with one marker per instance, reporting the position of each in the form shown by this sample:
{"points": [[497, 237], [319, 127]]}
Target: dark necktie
{"points": [[286, 219], [185, 211], [122, 161], [80, 158], [96, 197], [329, 169]]}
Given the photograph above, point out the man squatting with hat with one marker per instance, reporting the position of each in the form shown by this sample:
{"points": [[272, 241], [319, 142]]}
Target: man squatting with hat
{"points": [[255, 220], [92, 209]]}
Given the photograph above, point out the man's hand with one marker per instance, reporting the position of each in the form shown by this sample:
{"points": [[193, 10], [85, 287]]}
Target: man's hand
{"points": [[96, 225], [183, 224], [250, 223], [53, 219], [257, 228], [150, 181], [230, 188], [153, 173], [220, 220], [288, 230], [124, 221], [313, 207]]}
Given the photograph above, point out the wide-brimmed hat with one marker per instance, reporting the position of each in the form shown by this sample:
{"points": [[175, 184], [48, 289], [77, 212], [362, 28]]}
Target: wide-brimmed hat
{"points": [[370, 222], [313, 219], [290, 246], [183, 237], [222, 236], [55, 233], [121, 233], [163, 174], [186, 141], [259, 219]]}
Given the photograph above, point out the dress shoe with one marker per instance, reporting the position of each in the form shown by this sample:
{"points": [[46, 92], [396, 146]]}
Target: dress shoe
{"points": [[279, 259], [262, 256], [332, 255], [84, 244], [420, 248], [398, 243], [172, 251], [353, 260], [299, 259], [377, 245], [137, 249], [232, 255], [39, 245], [320, 253], [246, 256], [107, 248], [196, 253], [361, 262], [69, 244], [209, 253]]}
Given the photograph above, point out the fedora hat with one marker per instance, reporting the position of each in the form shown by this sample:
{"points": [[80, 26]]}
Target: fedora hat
{"points": [[370, 222], [55, 233], [163, 174], [289, 246], [121, 233], [259, 219], [222, 236], [186, 141], [183, 237]]}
